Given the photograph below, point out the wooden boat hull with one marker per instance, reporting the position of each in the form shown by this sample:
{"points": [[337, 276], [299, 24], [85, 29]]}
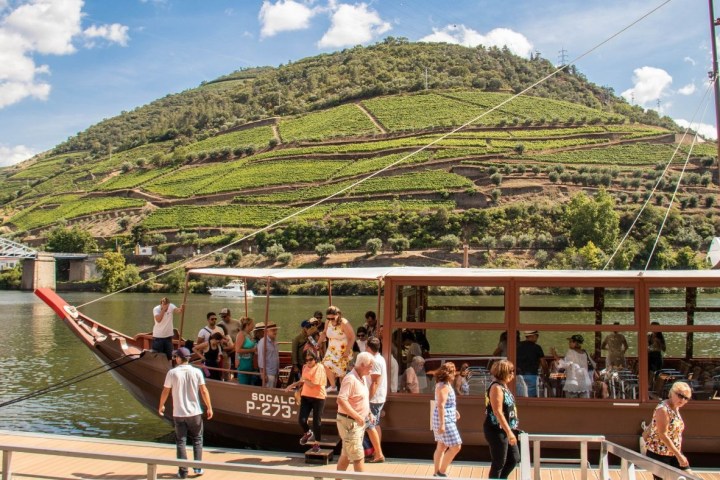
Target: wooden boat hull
{"points": [[264, 418]]}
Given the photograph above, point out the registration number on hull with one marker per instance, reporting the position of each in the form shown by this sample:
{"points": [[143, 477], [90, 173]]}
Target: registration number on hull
{"points": [[271, 405]]}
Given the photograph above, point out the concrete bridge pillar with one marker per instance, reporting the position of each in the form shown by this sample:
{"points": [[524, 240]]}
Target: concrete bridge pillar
{"points": [[38, 272]]}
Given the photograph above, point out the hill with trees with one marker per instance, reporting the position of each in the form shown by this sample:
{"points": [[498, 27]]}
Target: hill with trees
{"points": [[552, 178]]}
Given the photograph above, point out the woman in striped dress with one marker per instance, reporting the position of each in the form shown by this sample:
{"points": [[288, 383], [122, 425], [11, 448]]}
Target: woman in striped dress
{"points": [[444, 420]]}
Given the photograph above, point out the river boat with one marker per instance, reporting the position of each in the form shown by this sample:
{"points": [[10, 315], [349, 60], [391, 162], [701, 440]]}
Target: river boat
{"points": [[462, 313], [234, 289]]}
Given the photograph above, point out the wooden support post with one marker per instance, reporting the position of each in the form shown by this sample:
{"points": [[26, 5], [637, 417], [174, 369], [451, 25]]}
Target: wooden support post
{"points": [[151, 471], [6, 465], [583, 460]]}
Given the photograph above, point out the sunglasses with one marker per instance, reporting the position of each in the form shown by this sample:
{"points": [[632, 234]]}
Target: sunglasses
{"points": [[683, 397], [213, 318], [333, 317], [361, 336], [309, 359]]}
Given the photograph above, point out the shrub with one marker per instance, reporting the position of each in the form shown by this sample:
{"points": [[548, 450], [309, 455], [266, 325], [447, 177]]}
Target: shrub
{"points": [[399, 244], [496, 179], [508, 241], [159, 259], [285, 258], [324, 249], [233, 257], [373, 246], [274, 250], [449, 242]]}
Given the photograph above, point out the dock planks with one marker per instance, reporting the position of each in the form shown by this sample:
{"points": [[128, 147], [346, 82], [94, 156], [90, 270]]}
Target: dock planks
{"points": [[41, 467]]}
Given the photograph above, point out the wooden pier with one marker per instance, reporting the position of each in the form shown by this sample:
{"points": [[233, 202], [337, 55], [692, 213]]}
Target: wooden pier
{"points": [[138, 455]]}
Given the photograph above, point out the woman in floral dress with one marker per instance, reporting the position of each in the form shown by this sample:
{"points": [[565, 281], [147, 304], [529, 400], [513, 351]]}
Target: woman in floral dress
{"points": [[340, 337]]}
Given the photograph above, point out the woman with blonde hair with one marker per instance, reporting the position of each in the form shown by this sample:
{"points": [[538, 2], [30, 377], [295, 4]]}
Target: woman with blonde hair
{"points": [[501, 421], [664, 438], [444, 420], [245, 349]]}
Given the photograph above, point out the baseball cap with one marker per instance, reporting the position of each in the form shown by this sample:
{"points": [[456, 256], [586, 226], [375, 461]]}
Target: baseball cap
{"points": [[577, 338], [224, 311], [531, 332], [182, 352]]}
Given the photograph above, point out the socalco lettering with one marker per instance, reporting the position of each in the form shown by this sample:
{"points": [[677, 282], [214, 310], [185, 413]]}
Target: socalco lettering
{"points": [[271, 405]]}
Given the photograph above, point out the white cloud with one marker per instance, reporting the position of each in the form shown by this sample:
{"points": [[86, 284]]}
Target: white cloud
{"points": [[284, 16], [704, 129], [44, 27], [688, 89], [516, 42], [690, 61], [113, 33], [12, 155], [352, 25], [649, 84]]}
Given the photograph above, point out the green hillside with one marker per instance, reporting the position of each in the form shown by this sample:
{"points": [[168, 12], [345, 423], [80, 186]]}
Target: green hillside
{"points": [[229, 155]]}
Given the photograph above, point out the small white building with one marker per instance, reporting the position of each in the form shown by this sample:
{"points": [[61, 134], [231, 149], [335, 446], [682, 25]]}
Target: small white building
{"points": [[7, 263], [147, 251]]}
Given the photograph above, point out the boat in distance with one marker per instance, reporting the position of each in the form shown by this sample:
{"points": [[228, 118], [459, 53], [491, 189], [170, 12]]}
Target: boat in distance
{"points": [[462, 313], [234, 289]]}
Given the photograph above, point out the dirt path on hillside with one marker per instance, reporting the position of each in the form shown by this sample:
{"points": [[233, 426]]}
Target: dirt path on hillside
{"points": [[372, 118]]}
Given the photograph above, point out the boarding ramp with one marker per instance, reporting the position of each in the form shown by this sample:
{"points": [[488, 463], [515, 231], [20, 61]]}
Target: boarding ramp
{"points": [[629, 459]]}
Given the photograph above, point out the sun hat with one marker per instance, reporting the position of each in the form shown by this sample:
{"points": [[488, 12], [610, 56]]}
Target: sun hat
{"points": [[531, 332]]}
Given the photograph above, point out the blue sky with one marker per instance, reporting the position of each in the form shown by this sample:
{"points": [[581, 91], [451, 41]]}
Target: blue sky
{"points": [[67, 64]]}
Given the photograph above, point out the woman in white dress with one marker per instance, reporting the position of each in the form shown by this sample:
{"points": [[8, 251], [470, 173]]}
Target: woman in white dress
{"points": [[578, 365]]}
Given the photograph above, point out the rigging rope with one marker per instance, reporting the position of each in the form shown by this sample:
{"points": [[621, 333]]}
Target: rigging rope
{"points": [[674, 195], [73, 380], [659, 180], [402, 159]]}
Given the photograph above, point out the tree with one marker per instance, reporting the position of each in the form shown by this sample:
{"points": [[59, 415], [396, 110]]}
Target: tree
{"points": [[373, 246], [324, 249], [233, 257], [11, 278], [116, 275], [274, 250], [399, 244], [70, 240], [449, 242], [593, 220]]}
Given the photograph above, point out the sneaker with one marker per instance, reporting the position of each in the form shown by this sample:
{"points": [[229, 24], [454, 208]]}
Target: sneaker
{"points": [[198, 471], [306, 438], [315, 448], [331, 390], [181, 475]]}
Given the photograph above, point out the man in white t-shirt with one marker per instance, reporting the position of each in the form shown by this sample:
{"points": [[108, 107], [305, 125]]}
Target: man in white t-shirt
{"points": [[163, 326], [186, 382], [378, 386]]}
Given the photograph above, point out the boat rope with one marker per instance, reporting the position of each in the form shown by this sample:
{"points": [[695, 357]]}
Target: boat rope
{"points": [[674, 195], [442, 137], [702, 101], [104, 368]]}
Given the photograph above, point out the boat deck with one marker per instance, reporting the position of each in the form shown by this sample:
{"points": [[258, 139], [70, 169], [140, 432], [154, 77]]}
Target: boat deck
{"points": [[33, 466]]}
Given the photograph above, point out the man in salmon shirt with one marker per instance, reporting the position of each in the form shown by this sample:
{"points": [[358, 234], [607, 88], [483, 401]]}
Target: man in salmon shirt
{"points": [[353, 402]]}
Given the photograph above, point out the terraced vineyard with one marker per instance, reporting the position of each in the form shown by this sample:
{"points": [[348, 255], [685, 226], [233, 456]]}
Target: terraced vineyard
{"points": [[270, 181], [342, 121], [69, 207]]}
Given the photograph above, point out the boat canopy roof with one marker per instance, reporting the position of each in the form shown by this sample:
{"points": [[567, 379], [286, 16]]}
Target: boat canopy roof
{"points": [[379, 273]]}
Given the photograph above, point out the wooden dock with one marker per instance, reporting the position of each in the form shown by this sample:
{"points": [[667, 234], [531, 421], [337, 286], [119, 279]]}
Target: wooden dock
{"points": [[43, 467]]}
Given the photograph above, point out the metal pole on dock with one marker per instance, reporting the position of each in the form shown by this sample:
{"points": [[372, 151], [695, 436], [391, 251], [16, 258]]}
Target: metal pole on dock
{"points": [[714, 22]]}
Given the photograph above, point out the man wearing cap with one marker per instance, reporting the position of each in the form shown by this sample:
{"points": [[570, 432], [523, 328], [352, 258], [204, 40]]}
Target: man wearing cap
{"points": [[268, 356], [185, 381], [307, 328], [530, 357]]}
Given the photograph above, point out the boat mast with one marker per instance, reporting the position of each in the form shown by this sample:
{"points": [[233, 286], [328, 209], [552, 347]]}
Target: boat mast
{"points": [[714, 22]]}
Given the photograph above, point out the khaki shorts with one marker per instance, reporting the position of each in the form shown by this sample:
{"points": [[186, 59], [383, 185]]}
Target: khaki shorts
{"points": [[351, 435]]}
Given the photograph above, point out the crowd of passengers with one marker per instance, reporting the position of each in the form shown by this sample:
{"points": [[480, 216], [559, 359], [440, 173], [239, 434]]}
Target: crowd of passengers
{"points": [[247, 351]]}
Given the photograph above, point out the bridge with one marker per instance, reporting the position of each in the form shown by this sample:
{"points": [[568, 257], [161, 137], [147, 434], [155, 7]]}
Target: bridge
{"points": [[39, 268]]}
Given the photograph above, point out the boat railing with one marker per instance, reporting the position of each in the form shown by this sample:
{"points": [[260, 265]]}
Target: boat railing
{"points": [[629, 459]]}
